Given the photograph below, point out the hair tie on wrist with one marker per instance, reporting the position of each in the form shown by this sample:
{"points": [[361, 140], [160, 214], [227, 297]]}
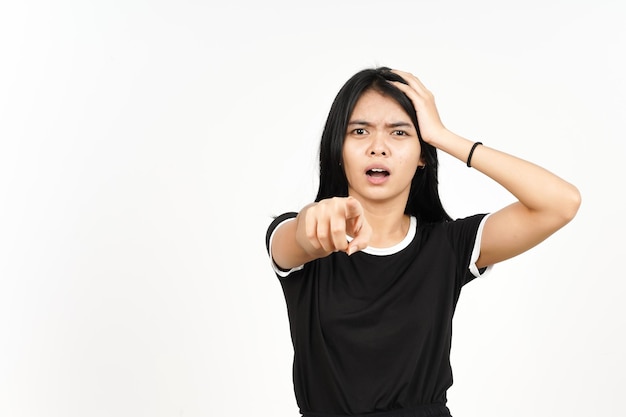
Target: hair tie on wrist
{"points": [[469, 157]]}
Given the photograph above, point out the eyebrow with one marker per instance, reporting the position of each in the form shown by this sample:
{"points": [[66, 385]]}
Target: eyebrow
{"points": [[393, 125]]}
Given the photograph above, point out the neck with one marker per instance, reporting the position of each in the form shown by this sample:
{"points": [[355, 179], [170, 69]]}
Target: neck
{"points": [[389, 224]]}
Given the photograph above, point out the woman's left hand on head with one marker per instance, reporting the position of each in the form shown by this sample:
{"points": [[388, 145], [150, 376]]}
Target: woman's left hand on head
{"points": [[430, 124]]}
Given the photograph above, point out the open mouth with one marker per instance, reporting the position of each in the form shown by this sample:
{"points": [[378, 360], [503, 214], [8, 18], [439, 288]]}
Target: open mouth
{"points": [[377, 173]]}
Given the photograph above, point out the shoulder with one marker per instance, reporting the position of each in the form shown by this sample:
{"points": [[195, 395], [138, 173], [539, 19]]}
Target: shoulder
{"points": [[456, 232], [472, 221]]}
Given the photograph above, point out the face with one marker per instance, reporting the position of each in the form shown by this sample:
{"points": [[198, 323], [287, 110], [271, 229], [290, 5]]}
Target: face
{"points": [[381, 151]]}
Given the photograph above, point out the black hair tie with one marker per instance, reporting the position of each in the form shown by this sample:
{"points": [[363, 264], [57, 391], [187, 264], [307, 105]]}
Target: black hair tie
{"points": [[469, 157]]}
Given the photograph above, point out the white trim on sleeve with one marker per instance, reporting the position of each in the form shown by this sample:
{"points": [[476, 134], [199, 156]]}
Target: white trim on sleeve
{"points": [[281, 272], [476, 251]]}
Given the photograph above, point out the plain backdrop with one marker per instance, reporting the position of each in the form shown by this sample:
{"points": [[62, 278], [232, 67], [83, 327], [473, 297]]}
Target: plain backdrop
{"points": [[146, 145]]}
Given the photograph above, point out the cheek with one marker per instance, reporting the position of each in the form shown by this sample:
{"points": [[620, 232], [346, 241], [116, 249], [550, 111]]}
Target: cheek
{"points": [[345, 164], [418, 155], [411, 156], [347, 156]]}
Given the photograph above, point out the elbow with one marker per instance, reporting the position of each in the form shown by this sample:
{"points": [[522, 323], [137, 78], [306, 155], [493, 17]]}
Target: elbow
{"points": [[570, 204]]}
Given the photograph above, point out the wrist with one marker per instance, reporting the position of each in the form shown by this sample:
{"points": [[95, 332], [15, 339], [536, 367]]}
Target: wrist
{"points": [[471, 153]]}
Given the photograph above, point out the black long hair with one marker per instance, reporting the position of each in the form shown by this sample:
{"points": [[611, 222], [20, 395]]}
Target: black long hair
{"points": [[423, 202]]}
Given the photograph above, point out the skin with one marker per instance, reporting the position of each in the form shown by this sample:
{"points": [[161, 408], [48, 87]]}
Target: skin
{"points": [[373, 214], [380, 134]]}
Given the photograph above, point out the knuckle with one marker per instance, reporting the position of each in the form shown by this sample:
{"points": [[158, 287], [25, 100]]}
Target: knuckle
{"points": [[311, 235], [337, 229]]}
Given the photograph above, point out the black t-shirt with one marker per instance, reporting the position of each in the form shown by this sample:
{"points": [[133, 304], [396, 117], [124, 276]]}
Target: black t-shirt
{"points": [[372, 331]]}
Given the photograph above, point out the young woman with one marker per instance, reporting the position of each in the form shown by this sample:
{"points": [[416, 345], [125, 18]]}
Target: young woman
{"points": [[372, 270]]}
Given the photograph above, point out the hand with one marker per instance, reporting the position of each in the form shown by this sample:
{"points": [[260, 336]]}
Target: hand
{"points": [[323, 227], [430, 124]]}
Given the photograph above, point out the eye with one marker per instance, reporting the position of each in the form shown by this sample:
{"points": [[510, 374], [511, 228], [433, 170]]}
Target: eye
{"points": [[400, 133], [359, 131]]}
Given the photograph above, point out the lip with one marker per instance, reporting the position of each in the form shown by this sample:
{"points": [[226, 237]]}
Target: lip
{"points": [[377, 180], [377, 166]]}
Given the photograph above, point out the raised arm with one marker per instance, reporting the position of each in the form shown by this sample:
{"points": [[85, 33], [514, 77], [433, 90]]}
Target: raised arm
{"points": [[319, 230], [545, 202]]}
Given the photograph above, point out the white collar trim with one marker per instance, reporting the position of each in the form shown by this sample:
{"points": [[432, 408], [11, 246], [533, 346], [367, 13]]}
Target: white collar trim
{"points": [[395, 248]]}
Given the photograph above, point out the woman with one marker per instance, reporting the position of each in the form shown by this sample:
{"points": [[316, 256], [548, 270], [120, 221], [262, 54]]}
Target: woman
{"points": [[372, 270]]}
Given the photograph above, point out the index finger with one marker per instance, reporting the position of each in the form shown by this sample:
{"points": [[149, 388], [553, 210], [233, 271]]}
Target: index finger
{"points": [[353, 208]]}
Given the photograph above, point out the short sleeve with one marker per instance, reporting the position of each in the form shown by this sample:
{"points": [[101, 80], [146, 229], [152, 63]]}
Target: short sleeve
{"points": [[276, 223], [465, 236]]}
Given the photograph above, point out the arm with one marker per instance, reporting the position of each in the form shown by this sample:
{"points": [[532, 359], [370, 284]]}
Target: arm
{"points": [[545, 202], [319, 230]]}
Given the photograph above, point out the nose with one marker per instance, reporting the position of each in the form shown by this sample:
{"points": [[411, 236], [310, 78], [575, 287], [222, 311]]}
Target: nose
{"points": [[378, 146]]}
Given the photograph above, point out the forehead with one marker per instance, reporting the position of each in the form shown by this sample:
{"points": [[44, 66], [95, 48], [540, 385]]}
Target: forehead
{"points": [[374, 106]]}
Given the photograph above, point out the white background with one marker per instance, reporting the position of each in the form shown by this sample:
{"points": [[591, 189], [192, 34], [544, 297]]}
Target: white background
{"points": [[145, 145]]}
